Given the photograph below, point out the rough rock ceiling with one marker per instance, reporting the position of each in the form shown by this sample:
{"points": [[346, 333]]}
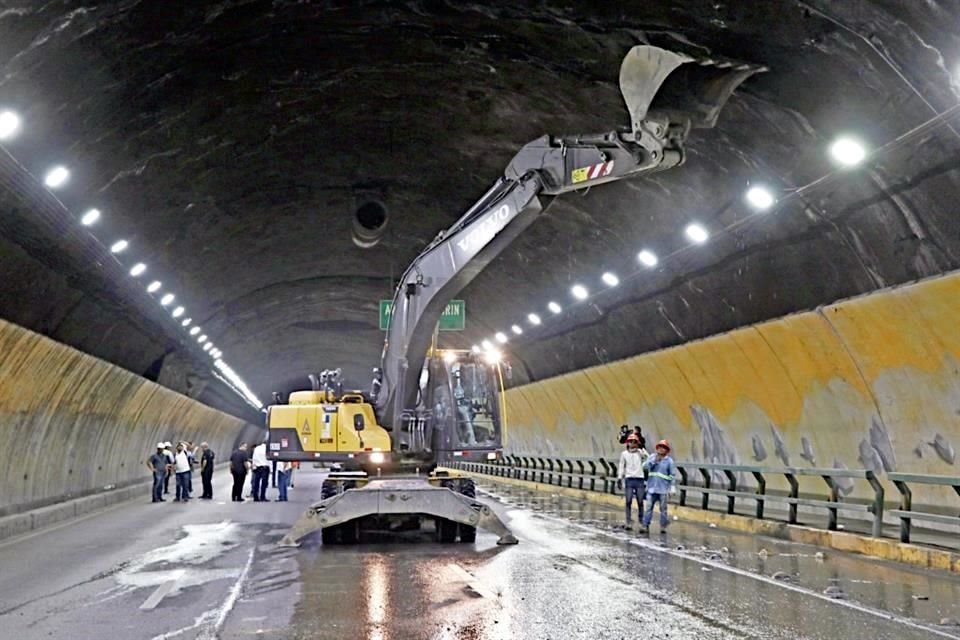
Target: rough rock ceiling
{"points": [[231, 142]]}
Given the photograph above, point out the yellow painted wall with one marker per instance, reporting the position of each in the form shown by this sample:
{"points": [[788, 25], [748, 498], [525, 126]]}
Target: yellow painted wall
{"points": [[71, 424], [871, 382]]}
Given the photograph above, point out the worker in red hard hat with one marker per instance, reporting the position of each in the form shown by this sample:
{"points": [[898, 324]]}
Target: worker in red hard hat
{"points": [[630, 477], [661, 473]]}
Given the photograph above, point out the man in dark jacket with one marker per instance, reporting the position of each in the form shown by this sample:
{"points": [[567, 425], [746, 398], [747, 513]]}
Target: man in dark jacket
{"points": [[206, 471], [239, 462]]}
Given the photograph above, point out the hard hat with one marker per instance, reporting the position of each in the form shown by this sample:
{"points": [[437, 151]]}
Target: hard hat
{"points": [[633, 438], [664, 444], [159, 445]]}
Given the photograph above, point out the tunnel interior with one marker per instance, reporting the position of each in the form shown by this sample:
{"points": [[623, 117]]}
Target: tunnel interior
{"points": [[275, 166]]}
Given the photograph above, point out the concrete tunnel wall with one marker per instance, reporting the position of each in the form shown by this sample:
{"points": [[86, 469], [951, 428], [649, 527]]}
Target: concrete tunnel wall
{"points": [[71, 424], [871, 382]]}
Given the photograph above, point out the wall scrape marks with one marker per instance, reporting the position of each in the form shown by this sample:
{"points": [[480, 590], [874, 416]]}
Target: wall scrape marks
{"points": [[71, 424], [871, 382]]}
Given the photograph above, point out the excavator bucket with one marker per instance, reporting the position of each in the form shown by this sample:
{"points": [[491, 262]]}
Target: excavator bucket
{"points": [[655, 81]]}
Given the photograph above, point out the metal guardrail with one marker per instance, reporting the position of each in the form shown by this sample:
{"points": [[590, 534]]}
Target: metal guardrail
{"points": [[600, 474]]}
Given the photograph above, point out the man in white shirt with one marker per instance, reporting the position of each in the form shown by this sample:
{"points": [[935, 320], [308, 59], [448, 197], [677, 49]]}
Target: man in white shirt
{"points": [[630, 476], [261, 472], [182, 467]]}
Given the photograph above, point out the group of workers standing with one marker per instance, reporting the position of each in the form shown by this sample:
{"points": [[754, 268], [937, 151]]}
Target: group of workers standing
{"points": [[646, 478], [180, 463], [242, 460]]}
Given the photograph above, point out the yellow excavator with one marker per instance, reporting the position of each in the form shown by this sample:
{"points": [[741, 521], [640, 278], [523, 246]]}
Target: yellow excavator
{"points": [[425, 407]]}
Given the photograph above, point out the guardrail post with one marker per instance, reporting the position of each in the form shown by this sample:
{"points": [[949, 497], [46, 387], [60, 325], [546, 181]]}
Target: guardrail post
{"points": [[705, 497], [581, 471], [732, 482], [906, 504], [542, 465], [795, 495], [593, 474], [569, 465], [608, 487], [878, 496], [549, 462], [761, 491], [683, 485], [832, 520]]}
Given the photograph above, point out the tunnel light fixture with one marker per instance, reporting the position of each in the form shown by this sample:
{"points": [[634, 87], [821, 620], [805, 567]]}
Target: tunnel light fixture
{"points": [[648, 258], [501, 337], [9, 124], [176, 313], [90, 217], [56, 177], [493, 356], [154, 286], [195, 331], [554, 307], [449, 357], [476, 348], [202, 338], [579, 292], [610, 279], [696, 233], [517, 330], [847, 152], [186, 322], [760, 198], [238, 384], [533, 319], [167, 299], [207, 347], [487, 345], [119, 246], [138, 269]]}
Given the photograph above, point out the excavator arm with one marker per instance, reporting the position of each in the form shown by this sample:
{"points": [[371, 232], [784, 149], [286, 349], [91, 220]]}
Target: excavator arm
{"points": [[666, 93]]}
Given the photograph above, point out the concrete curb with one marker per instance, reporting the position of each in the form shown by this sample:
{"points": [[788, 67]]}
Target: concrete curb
{"points": [[21, 523], [882, 548]]}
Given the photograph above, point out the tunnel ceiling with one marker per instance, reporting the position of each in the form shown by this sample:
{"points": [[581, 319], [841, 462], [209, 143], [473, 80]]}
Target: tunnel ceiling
{"points": [[231, 143]]}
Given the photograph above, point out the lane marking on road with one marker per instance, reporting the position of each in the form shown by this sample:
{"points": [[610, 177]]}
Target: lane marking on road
{"points": [[227, 606], [159, 594], [884, 615], [473, 583]]}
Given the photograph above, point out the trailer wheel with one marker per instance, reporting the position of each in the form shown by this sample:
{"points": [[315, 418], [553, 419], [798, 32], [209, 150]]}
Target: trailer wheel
{"points": [[328, 535], [446, 531], [468, 533]]}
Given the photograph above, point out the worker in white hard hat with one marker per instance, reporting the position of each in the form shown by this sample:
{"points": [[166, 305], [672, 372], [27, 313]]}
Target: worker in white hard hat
{"points": [[168, 451], [157, 463]]}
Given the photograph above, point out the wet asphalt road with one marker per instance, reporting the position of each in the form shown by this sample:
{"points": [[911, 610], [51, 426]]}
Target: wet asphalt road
{"points": [[212, 570]]}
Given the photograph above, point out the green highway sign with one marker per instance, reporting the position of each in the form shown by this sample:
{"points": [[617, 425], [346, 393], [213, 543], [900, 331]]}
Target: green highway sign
{"points": [[454, 317]]}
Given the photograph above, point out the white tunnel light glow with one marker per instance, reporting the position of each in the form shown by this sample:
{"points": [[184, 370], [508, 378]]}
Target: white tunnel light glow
{"points": [[154, 286], [119, 246], [610, 279], [138, 269], [186, 322], [90, 217], [493, 356], [449, 357], [202, 339], [9, 124], [696, 233], [760, 198], [517, 330], [487, 345], [579, 292], [648, 258], [848, 152], [476, 348], [235, 380], [178, 312], [207, 347], [554, 307], [167, 299], [533, 319], [56, 177], [501, 337], [195, 331]]}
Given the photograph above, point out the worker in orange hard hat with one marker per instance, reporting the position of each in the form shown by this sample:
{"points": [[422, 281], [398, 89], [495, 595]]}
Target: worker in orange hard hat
{"points": [[630, 476], [661, 473]]}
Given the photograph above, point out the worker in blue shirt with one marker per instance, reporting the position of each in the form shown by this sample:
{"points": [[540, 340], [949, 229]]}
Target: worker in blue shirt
{"points": [[660, 479]]}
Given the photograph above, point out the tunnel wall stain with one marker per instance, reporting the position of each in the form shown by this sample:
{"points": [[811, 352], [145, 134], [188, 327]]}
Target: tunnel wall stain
{"points": [[71, 424], [870, 382]]}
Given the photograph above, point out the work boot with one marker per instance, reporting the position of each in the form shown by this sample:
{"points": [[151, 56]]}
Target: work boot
{"points": [[643, 529]]}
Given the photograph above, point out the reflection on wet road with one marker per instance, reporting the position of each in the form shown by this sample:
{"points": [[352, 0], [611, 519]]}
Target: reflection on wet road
{"points": [[214, 571]]}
